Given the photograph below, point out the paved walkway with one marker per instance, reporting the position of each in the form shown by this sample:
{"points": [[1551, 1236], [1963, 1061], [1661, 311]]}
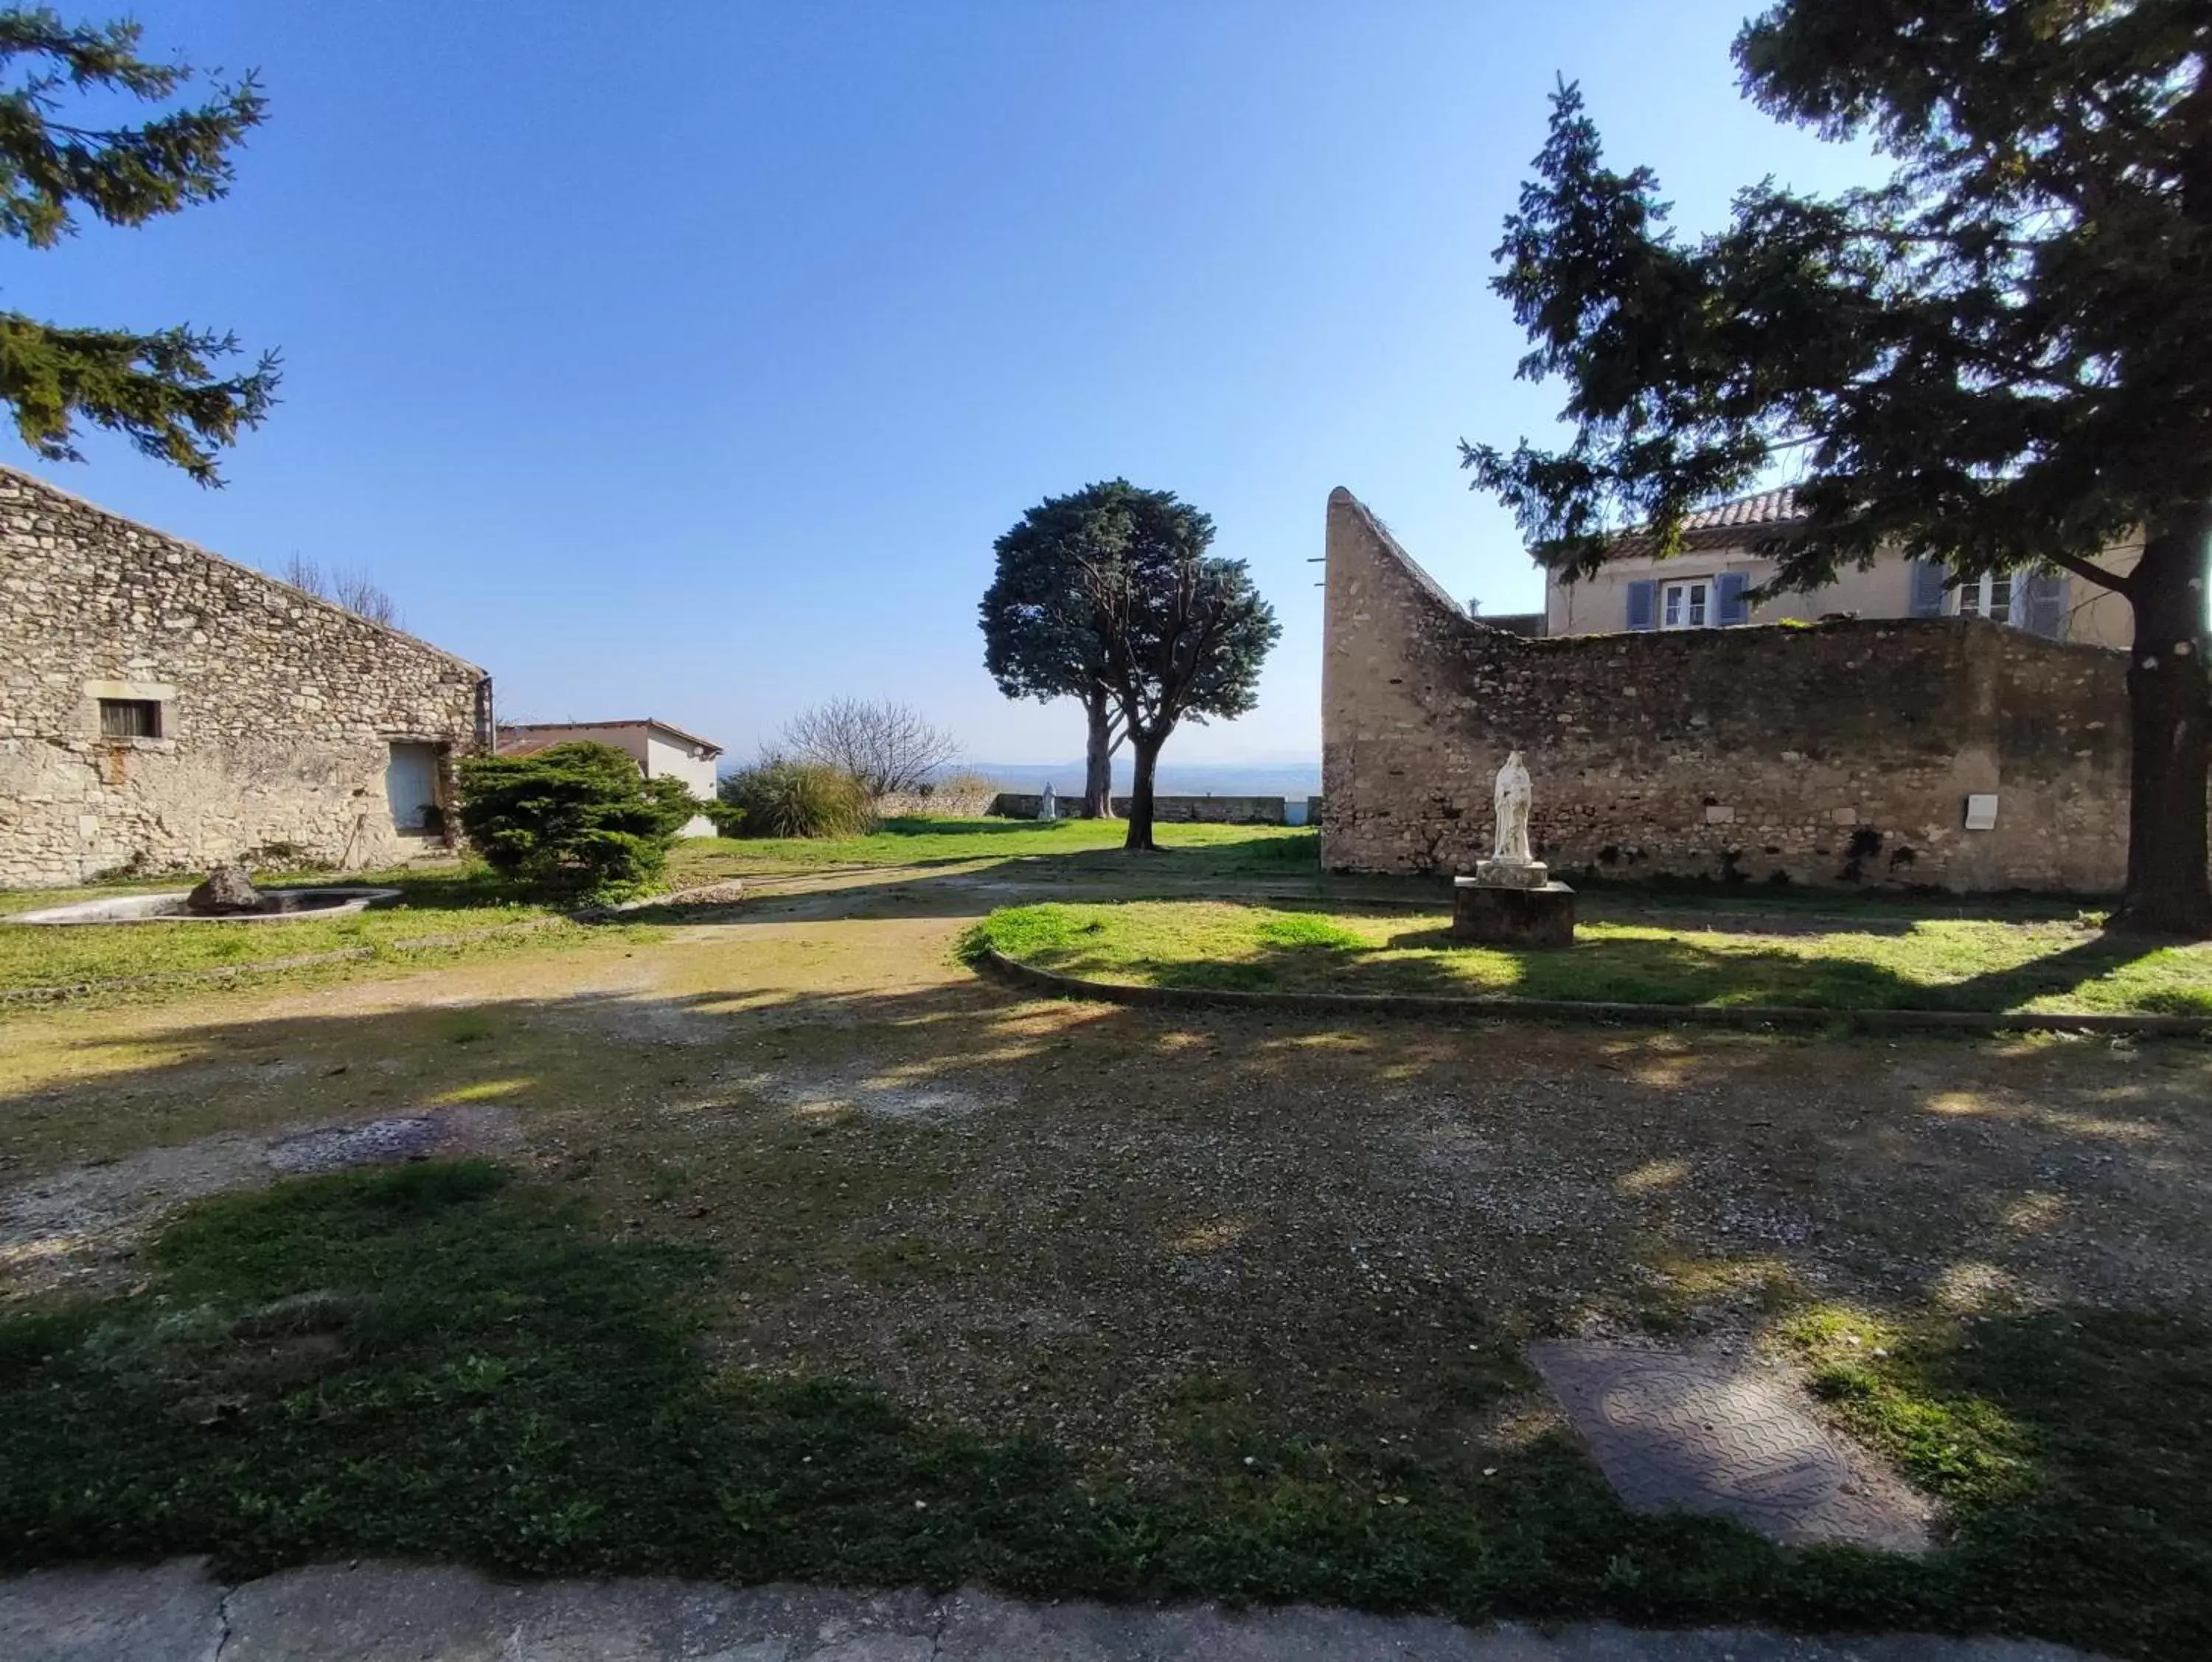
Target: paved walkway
{"points": [[381, 1613]]}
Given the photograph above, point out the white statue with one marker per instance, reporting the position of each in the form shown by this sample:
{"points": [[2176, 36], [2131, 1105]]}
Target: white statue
{"points": [[1512, 802], [1047, 805]]}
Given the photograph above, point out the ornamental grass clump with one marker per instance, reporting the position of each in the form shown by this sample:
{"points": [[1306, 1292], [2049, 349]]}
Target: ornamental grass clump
{"points": [[573, 819], [779, 796]]}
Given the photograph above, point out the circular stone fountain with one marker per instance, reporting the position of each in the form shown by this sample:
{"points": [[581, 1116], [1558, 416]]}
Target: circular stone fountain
{"points": [[274, 905]]}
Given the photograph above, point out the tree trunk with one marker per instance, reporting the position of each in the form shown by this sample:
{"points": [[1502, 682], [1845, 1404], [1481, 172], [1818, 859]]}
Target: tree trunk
{"points": [[1098, 759], [1144, 756], [2169, 710]]}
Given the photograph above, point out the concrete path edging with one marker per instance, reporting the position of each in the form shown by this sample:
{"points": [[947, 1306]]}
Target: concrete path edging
{"points": [[1048, 982], [370, 1612]]}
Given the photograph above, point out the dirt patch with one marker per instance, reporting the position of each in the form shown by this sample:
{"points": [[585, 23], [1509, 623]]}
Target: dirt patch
{"points": [[862, 1090], [78, 1228]]}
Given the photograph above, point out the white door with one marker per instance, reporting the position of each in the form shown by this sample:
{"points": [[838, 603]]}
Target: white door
{"points": [[411, 784]]}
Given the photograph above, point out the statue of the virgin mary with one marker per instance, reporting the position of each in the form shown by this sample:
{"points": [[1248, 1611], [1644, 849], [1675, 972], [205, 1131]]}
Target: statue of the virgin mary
{"points": [[1511, 799]]}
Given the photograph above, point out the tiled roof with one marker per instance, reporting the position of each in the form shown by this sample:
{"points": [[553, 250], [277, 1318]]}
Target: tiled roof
{"points": [[1767, 507], [526, 731], [1724, 523]]}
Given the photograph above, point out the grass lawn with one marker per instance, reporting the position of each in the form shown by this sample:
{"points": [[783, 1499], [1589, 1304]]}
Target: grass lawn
{"points": [[1860, 962], [789, 1250], [463, 902], [1186, 850], [446, 1362]]}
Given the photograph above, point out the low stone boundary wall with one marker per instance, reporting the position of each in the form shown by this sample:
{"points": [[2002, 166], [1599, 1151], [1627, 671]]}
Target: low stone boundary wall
{"points": [[1166, 810], [1754, 1016]]}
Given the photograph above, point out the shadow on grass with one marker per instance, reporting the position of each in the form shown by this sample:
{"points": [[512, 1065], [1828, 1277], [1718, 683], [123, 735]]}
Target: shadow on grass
{"points": [[441, 1362], [1678, 970], [1781, 902], [457, 889]]}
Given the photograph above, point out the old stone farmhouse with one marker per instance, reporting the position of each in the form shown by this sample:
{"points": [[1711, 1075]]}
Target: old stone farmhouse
{"points": [[162, 708], [1950, 750]]}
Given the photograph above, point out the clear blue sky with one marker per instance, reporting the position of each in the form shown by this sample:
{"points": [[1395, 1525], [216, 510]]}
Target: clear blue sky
{"points": [[686, 361]]}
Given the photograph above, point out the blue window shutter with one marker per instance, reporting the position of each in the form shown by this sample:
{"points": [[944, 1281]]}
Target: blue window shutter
{"points": [[1927, 587], [2045, 612], [1640, 612], [1730, 606]]}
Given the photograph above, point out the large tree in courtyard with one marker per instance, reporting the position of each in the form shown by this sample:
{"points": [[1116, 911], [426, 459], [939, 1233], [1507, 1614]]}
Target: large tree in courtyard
{"points": [[1113, 586], [1039, 640], [161, 390], [2001, 357]]}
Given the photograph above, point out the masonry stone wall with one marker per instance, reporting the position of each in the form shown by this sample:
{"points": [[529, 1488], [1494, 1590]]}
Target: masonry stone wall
{"points": [[1166, 810], [277, 710], [1838, 752]]}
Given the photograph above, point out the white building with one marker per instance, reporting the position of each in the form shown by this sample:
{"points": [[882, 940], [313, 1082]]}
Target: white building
{"points": [[661, 752]]}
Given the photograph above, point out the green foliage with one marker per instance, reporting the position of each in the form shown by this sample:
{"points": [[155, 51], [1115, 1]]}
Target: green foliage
{"points": [[782, 796], [1981, 360], [1108, 595], [573, 819], [158, 389], [1040, 637], [1995, 359], [1113, 585]]}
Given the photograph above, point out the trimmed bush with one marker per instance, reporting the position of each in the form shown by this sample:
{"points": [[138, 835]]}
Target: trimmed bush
{"points": [[779, 797], [575, 819]]}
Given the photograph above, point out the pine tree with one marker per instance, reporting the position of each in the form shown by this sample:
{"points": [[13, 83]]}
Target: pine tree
{"points": [[2000, 358], [160, 390], [1108, 595]]}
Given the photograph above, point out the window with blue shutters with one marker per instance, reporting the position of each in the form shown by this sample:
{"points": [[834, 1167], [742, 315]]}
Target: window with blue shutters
{"points": [[1927, 576], [1729, 606], [1643, 605], [2040, 607]]}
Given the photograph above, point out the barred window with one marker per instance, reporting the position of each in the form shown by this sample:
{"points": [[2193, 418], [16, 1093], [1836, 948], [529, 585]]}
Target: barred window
{"points": [[130, 718]]}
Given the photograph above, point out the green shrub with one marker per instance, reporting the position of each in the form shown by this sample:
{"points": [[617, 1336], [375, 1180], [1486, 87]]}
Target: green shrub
{"points": [[575, 819], [779, 797]]}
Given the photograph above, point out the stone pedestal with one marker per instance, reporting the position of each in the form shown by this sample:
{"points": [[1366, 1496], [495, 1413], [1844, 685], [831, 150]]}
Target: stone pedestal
{"points": [[1498, 915], [1511, 873]]}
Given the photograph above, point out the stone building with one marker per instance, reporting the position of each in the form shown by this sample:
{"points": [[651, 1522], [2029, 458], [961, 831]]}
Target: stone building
{"points": [[1952, 750], [1707, 586], [162, 708]]}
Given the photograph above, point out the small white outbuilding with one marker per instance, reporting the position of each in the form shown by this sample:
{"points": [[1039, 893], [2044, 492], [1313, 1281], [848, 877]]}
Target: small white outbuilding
{"points": [[661, 752]]}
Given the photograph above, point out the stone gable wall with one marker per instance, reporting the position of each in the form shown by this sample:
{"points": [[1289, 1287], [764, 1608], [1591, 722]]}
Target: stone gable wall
{"points": [[278, 709], [1840, 753]]}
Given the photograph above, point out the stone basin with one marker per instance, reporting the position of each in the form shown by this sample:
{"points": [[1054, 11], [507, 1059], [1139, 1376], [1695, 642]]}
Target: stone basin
{"points": [[277, 904]]}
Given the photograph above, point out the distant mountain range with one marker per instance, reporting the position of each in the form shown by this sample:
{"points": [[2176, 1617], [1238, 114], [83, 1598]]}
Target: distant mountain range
{"points": [[1174, 779]]}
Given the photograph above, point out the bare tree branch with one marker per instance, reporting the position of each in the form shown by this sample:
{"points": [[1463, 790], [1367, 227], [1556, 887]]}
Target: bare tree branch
{"points": [[350, 586], [887, 746]]}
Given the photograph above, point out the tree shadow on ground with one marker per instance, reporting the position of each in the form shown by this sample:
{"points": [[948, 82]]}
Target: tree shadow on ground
{"points": [[1677, 970], [1327, 1244], [1839, 901]]}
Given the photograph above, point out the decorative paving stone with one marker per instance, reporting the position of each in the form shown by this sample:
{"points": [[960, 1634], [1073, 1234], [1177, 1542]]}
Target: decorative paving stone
{"points": [[1677, 1432]]}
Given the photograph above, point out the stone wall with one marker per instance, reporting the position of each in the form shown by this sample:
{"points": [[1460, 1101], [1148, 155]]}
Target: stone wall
{"points": [[277, 710], [1190, 810], [1838, 752]]}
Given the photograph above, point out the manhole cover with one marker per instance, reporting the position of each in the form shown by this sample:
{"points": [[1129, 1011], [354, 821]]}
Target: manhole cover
{"points": [[1675, 1432]]}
